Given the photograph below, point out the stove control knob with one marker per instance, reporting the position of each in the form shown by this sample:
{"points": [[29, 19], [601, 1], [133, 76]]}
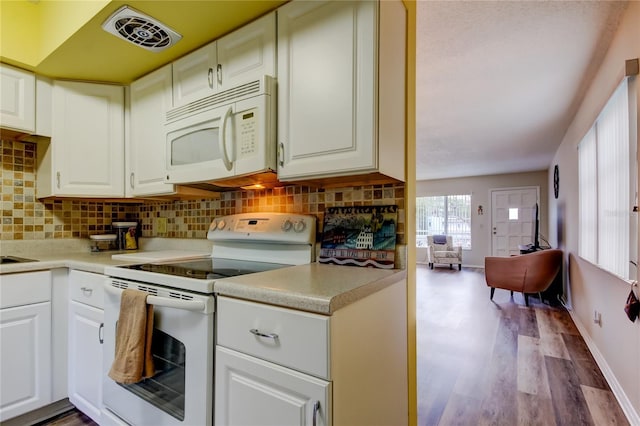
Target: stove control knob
{"points": [[221, 225], [286, 225], [299, 226]]}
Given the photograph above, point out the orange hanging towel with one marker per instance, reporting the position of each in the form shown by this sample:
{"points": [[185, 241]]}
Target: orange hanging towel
{"points": [[133, 358]]}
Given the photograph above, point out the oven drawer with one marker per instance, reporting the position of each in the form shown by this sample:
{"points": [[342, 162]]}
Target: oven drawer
{"points": [[291, 338], [87, 288]]}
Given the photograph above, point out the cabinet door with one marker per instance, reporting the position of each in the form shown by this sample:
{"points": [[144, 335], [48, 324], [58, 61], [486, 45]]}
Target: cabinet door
{"points": [[25, 359], [17, 99], [85, 358], [88, 139], [327, 67], [250, 391], [151, 98], [247, 53], [194, 76]]}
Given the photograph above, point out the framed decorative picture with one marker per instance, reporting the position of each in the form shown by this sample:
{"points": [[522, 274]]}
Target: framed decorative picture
{"points": [[360, 236]]}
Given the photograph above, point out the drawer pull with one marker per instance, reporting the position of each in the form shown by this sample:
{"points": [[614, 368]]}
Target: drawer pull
{"points": [[101, 333], [257, 332], [86, 291]]}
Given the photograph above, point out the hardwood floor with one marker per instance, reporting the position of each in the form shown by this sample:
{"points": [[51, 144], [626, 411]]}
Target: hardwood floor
{"points": [[70, 418], [483, 362]]}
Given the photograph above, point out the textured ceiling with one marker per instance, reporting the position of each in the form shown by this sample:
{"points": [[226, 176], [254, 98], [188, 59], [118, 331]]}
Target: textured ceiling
{"points": [[498, 82]]}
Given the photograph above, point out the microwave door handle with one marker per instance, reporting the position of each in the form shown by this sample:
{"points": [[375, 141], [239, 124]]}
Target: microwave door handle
{"points": [[222, 140]]}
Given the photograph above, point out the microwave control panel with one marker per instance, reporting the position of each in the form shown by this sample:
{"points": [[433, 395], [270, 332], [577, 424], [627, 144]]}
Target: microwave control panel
{"points": [[247, 132]]}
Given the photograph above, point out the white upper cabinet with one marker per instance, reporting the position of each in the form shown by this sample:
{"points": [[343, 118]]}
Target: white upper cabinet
{"points": [[194, 75], [247, 53], [17, 99], [150, 100], [341, 89], [85, 157], [241, 56]]}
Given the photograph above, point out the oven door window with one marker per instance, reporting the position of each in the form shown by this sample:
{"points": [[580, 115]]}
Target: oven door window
{"points": [[166, 388]]}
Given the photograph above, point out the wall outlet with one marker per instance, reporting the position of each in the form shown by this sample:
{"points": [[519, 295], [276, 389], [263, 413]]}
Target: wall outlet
{"points": [[161, 225]]}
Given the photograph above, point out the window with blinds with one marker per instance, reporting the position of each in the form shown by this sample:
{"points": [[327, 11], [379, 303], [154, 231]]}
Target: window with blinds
{"points": [[607, 186], [444, 215]]}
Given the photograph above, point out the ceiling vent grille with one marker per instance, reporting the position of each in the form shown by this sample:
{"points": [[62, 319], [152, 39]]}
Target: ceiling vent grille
{"points": [[140, 29]]}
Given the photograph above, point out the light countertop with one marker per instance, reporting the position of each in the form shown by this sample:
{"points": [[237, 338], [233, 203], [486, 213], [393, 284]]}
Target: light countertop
{"points": [[315, 287]]}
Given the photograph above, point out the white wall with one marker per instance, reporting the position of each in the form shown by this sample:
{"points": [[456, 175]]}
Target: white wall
{"points": [[616, 343], [479, 187]]}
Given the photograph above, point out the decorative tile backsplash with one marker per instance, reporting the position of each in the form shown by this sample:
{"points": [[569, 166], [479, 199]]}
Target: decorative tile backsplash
{"points": [[26, 218]]}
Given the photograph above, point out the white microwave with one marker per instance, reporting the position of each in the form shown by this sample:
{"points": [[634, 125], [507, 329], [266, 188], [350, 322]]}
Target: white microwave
{"points": [[228, 134]]}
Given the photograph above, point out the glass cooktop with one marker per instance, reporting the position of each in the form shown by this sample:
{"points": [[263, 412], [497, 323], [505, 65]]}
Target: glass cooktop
{"points": [[207, 269]]}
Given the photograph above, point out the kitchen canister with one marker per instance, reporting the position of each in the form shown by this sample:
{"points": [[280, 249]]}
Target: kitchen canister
{"points": [[127, 235], [103, 242]]}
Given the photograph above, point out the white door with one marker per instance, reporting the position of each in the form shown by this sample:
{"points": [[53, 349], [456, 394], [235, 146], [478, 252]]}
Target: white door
{"points": [[88, 139], [181, 391], [194, 75], [25, 359], [200, 147], [85, 358], [17, 98], [250, 391], [326, 92], [512, 217], [247, 53], [151, 98]]}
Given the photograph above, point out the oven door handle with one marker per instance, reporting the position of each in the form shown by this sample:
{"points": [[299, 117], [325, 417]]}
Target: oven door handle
{"points": [[166, 302]]}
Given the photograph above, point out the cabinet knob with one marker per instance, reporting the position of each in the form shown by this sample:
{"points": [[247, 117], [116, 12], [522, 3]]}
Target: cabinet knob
{"points": [[210, 78], [58, 180], [101, 333], [219, 73], [87, 291], [131, 180]]}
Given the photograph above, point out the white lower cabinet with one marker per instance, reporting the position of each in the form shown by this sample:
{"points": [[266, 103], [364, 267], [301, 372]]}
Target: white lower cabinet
{"points": [[280, 366], [25, 343], [271, 366], [86, 320], [251, 391]]}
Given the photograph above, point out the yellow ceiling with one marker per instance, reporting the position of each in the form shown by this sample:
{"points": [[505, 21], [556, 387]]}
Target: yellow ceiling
{"points": [[64, 38]]}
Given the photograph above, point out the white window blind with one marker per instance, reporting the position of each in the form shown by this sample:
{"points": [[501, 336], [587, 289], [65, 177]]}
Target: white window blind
{"points": [[588, 187], [445, 214], [604, 187], [612, 135]]}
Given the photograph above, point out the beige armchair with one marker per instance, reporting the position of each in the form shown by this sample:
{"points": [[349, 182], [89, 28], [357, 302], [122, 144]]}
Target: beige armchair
{"points": [[440, 249], [527, 273]]}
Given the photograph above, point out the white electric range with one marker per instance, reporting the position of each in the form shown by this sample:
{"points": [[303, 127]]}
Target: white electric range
{"points": [[182, 292]]}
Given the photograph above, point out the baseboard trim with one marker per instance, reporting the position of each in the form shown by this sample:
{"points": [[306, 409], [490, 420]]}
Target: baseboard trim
{"points": [[632, 416]]}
